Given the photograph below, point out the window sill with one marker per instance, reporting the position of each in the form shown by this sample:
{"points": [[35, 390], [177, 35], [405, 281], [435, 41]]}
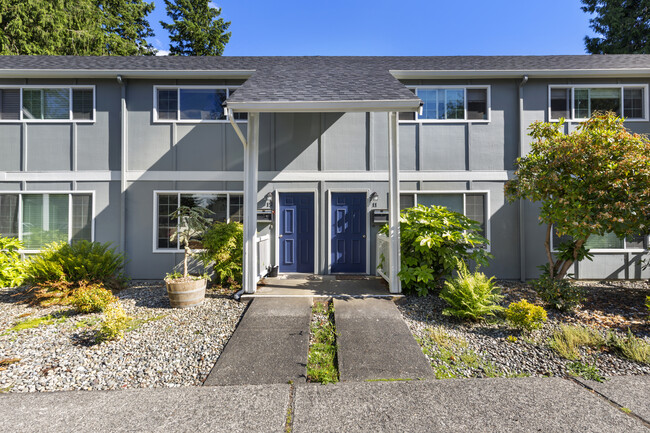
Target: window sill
{"points": [[423, 121], [193, 122], [614, 251]]}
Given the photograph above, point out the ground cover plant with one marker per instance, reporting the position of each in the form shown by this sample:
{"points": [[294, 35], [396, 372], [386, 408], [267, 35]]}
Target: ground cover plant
{"points": [[321, 361], [525, 315], [630, 347], [12, 267], [568, 340], [471, 295], [433, 241]]}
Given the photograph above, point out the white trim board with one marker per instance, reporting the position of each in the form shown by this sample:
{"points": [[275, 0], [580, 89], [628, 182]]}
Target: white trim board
{"points": [[60, 176], [314, 176]]}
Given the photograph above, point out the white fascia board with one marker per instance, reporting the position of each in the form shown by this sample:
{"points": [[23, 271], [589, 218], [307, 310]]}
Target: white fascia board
{"points": [[539, 73], [105, 73], [325, 106]]}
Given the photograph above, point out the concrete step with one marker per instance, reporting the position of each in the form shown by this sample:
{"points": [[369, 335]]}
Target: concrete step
{"points": [[375, 343]]}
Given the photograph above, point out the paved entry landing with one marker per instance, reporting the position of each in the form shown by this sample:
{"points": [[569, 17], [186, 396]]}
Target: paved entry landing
{"points": [[322, 286], [375, 343], [270, 345]]}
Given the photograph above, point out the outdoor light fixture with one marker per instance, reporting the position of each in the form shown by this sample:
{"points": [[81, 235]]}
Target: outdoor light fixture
{"points": [[374, 196], [269, 201]]}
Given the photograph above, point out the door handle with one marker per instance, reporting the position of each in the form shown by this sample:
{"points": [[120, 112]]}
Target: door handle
{"points": [[364, 236], [279, 236]]}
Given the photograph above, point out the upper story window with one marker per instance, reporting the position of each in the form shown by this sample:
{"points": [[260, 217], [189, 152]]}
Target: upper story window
{"points": [[192, 104], [47, 104], [451, 104], [580, 102], [41, 218]]}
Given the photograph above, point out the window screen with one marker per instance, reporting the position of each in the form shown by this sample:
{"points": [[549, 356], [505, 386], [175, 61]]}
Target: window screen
{"points": [[477, 104], [81, 217], [236, 208], [46, 104], [406, 201], [45, 219], [82, 104], [633, 103], [560, 106], [10, 104], [168, 104], [9, 215], [453, 202]]}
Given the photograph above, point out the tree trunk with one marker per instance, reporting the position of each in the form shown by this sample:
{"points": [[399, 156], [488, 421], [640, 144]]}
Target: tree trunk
{"points": [[547, 244], [567, 264], [187, 254]]}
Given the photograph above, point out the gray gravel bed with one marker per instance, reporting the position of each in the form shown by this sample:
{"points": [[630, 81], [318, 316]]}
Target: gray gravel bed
{"points": [[169, 347], [530, 354]]}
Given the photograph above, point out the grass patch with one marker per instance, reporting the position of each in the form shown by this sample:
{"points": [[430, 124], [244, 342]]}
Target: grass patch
{"points": [[36, 322], [136, 323], [569, 339], [451, 356], [321, 361], [586, 371], [630, 347]]}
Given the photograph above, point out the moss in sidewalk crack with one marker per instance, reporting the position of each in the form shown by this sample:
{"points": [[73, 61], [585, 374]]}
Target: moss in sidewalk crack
{"points": [[322, 358]]}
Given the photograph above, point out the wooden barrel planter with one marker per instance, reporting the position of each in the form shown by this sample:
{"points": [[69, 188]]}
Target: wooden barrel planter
{"points": [[186, 293]]}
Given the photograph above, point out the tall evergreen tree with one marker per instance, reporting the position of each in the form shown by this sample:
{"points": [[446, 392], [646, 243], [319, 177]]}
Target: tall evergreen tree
{"points": [[196, 29], [624, 26], [74, 27]]}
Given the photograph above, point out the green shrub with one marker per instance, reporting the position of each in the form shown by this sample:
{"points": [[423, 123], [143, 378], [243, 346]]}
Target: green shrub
{"points": [[91, 298], [647, 305], [569, 339], [434, 240], [12, 268], [223, 244], [80, 261], [630, 346], [471, 296], [558, 294], [525, 315], [115, 323]]}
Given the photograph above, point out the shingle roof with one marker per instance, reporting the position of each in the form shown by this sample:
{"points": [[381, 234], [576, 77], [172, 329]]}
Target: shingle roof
{"points": [[277, 79]]}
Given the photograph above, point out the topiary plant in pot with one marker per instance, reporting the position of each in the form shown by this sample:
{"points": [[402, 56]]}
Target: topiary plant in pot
{"points": [[185, 290]]}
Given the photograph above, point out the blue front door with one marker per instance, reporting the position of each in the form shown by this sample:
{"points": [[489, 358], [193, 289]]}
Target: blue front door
{"points": [[348, 232], [297, 232]]}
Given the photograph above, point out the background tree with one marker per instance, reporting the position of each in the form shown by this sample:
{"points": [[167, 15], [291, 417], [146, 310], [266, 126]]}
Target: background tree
{"points": [[593, 181], [74, 27], [624, 26], [196, 28]]}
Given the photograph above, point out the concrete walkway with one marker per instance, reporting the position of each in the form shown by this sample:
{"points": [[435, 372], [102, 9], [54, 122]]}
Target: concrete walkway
{"points": [[454, 405], [270, 344], [375, 343]]}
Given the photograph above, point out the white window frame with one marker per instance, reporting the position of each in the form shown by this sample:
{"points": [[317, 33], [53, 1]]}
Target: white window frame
{"points": [[625, 249], [70, 194], [178, 108], [178, 193], [622, 87], [22, 119], [488, 88], [463, 192]]}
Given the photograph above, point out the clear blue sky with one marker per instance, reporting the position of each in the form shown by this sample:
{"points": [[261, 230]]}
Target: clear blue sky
{"points": [[407, 27]]}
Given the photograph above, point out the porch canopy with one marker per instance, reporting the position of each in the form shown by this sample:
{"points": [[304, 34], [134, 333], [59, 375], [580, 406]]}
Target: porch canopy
{"points": [[316, 84]]}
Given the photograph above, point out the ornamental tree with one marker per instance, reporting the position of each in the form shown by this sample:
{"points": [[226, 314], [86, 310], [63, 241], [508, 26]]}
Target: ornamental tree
{"points": [[592, 181]]}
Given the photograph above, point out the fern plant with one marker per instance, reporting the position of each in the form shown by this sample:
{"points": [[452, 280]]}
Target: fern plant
{"points": [[471, 296]]}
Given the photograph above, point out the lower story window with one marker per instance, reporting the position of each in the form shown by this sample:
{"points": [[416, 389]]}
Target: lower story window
{"points": [[470, 204], [40, 218], [608, 241], [223, 207]]}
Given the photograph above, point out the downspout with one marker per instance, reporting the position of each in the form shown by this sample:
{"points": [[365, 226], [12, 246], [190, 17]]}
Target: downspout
{"points": [[240, 134], [123, 162], [522, 231]]}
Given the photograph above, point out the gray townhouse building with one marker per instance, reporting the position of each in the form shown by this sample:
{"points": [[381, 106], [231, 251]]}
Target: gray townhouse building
{"points": [[313, 154]]}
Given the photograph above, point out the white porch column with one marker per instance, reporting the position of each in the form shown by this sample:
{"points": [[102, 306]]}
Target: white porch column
{"points": [[393, 205], [251, 156]]}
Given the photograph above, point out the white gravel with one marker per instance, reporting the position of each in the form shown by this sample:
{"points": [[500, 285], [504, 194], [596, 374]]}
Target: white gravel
{"points": [[175, 347], [529, 355]]}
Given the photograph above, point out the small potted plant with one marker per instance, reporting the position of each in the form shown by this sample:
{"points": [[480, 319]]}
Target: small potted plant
{"points": [[186, 290]]}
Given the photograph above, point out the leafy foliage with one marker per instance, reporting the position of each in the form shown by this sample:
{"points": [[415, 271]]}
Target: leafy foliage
{"points": [[196, 28], [606, 189], [525, 315], [115, 323], [224, 250], [471, 296], [558, 294], [75, 27], [12, 268], [80, 261], [586, 371], [91, 298], [623, 26], [193, 223], [434, 240]]}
